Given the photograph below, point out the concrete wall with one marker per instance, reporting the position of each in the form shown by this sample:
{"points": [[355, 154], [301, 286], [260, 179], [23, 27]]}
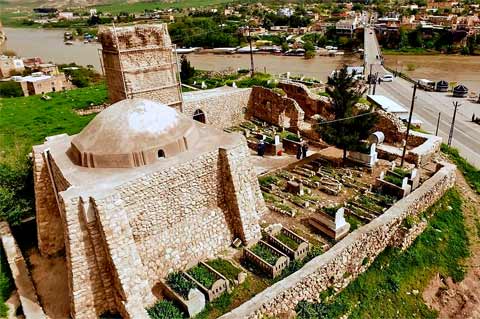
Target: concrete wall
{"points": [[345, 261], [267, 105], [223, 107]]}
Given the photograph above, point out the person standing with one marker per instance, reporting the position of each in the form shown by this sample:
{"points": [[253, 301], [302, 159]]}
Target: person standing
{"points": [[261, 148], [304, 150], [299, 151]]}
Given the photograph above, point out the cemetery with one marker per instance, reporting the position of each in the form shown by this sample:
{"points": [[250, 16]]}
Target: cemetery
{"points": [[158, 203]]}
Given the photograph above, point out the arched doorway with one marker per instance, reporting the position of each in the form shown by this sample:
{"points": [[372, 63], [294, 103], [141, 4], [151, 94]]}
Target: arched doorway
{"points": [[198, 115]]}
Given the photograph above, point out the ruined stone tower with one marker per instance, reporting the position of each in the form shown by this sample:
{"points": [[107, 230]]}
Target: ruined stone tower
{"points": [[140, 62]]}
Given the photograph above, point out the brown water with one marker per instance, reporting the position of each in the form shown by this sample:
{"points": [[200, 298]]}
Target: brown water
{"points": [[48, 44], [461, 69]]}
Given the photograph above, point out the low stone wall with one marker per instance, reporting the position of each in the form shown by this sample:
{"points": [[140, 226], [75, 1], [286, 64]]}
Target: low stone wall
{"points": [[273, 108], [223, 107], [310, 103], [18, 267], [348, 258], [424, 151]]}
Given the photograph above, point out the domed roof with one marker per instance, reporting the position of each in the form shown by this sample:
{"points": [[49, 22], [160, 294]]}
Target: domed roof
{"points": [[132, 126]]}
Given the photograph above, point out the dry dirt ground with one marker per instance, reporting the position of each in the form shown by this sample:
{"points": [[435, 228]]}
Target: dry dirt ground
{"points": [[50, 279], [461, 300]]}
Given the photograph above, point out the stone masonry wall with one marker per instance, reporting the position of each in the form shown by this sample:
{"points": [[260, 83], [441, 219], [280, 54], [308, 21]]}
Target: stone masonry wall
{"points": [[242, 192], [49, 229], [346, 260], [88, 296], [269, 106], [133, 291], [223, 107], [310, 103], [139, 62], [178, 216]]}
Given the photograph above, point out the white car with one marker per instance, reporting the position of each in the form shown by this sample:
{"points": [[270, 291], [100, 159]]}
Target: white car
{"points": [[387, 78]]}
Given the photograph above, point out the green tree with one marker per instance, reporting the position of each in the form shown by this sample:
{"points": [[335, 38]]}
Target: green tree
{"points": [[309, 50], [16, 192], [186, 70], [10, 89], [347, 131]]}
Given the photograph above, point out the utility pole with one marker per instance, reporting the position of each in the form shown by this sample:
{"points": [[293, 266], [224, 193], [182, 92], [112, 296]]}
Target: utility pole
{"points": [[252, 67], [408, 125], [375, 84], [370, 78], [452, 127], [438, 123]]}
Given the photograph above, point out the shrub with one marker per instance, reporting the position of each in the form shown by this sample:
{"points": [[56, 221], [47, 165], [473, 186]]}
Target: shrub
{"points": [[180, 284], [203, 275], [164, 310], [10, 89], [16, 192]]}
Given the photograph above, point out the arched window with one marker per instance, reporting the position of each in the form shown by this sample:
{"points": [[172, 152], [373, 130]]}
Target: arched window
{"points": [[161, 154], [198, 115]]}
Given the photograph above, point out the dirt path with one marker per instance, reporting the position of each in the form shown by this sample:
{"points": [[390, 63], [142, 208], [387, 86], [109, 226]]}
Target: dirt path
{"points": [[461, 300]]}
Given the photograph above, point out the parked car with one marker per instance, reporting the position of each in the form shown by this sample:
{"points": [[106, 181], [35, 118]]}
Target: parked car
{"points": [[387, 78]]}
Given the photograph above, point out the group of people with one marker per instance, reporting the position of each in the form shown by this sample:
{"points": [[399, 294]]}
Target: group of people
{"points": [[302, 150]]}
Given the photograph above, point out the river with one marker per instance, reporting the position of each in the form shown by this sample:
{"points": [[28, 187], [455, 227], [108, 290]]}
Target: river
{"points": [[48, 44]]}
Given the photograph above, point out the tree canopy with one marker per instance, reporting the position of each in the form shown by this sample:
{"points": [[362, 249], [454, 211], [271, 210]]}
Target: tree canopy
{"points": [[352, 124]]}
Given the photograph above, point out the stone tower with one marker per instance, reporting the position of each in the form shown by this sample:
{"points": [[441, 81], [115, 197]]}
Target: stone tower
{"points": [[140, 62]]}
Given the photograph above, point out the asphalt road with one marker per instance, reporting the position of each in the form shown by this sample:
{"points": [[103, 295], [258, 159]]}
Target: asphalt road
{"points": [[466, 136]]}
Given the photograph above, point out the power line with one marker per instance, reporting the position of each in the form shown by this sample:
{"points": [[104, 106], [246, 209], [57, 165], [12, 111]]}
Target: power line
{"points": [[345, 118]]}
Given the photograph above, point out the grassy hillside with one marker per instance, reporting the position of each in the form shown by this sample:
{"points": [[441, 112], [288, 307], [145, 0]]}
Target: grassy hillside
{"points": [[392, 286]]}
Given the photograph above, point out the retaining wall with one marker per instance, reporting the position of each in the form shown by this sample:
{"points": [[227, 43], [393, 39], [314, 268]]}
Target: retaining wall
{"points": [[348, 258]]}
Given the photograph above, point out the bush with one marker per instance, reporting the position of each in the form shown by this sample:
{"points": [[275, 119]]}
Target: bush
{"points": [[16, 192], [164, 310], [10, 89]]}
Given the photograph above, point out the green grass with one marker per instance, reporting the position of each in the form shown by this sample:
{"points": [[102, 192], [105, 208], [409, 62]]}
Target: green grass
{"points": [[385, 289], [471, 173], [203, 275], [225, 268], [393, 179], [164, 309], [180, 284], [409, 51], [26, 121], [117, 6], [6, 283], [265, 253], [289, 242]]}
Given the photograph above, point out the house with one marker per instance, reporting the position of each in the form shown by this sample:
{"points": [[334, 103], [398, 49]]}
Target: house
{"points": [[346, 26], [10, 65], [39, 83]]}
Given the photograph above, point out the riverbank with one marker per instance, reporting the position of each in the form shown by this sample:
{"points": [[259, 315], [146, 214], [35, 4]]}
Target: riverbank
{"points": [[53, 49], [451, 68]]}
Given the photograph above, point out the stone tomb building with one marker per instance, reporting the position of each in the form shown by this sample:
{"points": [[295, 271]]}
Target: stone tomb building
{"points": [[141, 191]]}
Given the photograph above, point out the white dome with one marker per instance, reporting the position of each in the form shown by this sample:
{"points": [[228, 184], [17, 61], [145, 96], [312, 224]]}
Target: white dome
{"points": [[133, 126]]}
